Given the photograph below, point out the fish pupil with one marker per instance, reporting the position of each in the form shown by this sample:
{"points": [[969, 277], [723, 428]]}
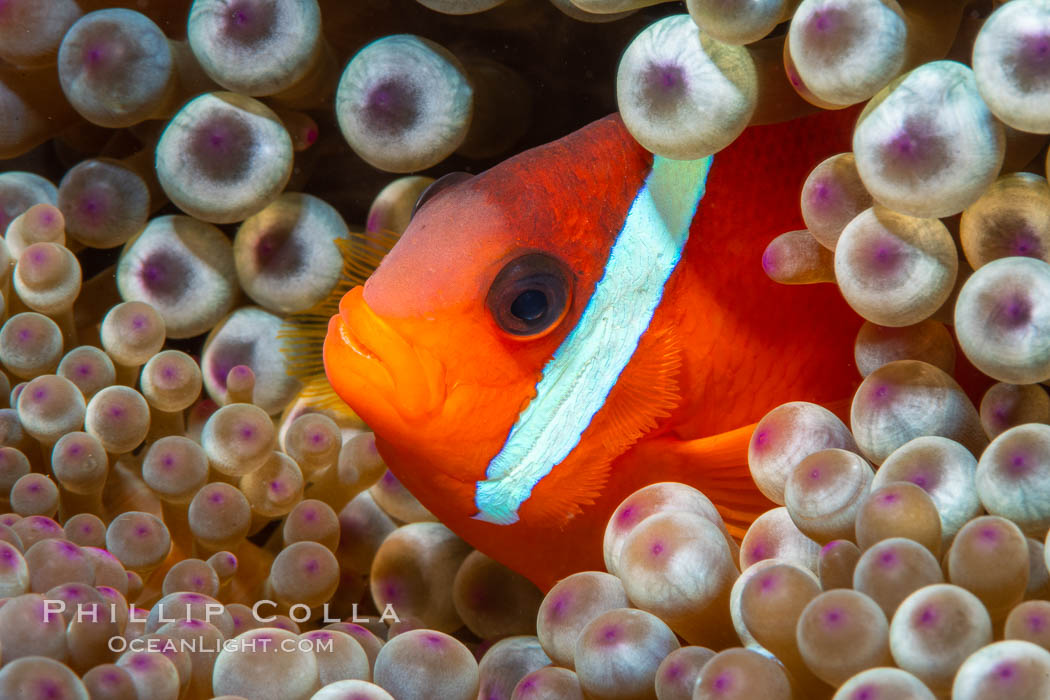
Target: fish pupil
{"points": [[530, 305]]}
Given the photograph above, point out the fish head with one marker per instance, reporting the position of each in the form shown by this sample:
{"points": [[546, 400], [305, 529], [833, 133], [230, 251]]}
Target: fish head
{"points": [[442, 348]]}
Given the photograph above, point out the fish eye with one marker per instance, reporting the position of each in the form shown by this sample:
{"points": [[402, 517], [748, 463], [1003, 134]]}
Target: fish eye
{"points": [[530, 295]]}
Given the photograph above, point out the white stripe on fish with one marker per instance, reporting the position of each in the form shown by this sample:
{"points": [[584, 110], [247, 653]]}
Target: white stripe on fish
{"points": [[577, 380]]}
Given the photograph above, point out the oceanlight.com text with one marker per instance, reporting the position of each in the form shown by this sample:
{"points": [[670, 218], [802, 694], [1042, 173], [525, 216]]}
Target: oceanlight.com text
{"points": [[193, 645]]}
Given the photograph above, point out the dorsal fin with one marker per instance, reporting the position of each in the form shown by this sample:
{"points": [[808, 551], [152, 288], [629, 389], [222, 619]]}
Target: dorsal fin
{"points": [[646, 392], [302, 334]]}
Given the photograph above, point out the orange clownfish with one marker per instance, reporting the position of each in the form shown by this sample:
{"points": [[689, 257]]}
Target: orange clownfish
{"points": [[585, 319]]}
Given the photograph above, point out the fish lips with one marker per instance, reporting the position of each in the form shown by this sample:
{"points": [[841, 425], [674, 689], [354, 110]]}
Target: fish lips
{"points": [[378, 369]]}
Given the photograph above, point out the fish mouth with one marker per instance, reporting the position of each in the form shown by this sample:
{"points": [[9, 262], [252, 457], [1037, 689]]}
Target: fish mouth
{"points": [[373, 367]]}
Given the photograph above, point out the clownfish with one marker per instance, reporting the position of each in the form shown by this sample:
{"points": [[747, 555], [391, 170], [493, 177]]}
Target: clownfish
{"points": [[585, 319]]}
